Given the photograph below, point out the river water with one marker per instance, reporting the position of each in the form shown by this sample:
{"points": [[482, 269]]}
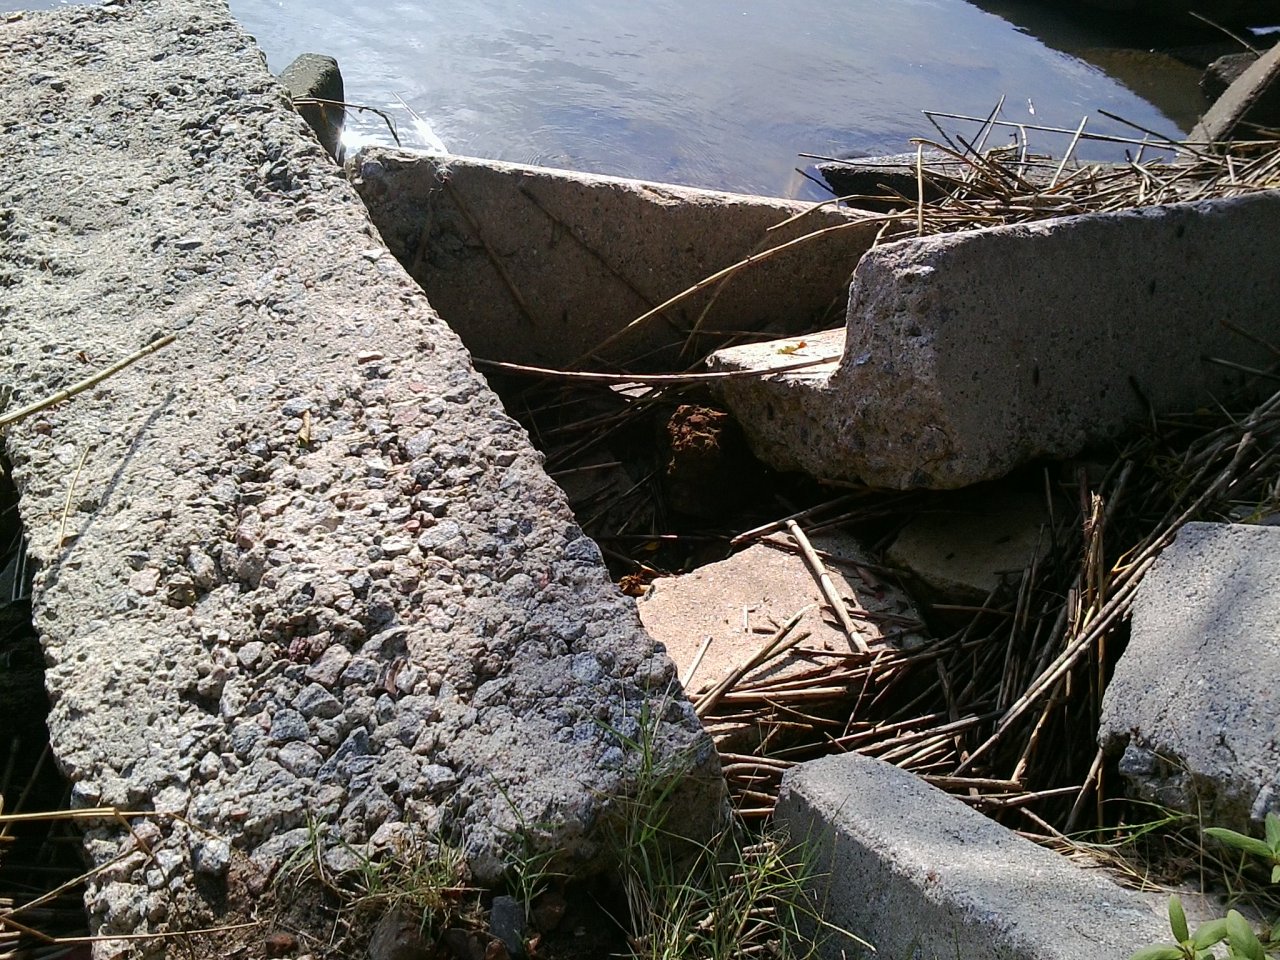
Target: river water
{"points": [[715, 93]]}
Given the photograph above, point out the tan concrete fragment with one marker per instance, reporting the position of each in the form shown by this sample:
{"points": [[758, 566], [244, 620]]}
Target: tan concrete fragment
{"points": [[741, 601], [542, 266]]}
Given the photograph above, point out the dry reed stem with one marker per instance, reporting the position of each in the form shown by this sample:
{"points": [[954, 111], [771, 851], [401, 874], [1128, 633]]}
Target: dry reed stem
{"points": [[9, 419], [834, 601], [655, 379]]}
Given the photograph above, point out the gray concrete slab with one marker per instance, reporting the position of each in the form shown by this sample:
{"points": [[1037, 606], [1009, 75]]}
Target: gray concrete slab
{"points": [[541, 266], [968, 354], [1192, 706], [963, 549], [919, 874], [298, 569]]}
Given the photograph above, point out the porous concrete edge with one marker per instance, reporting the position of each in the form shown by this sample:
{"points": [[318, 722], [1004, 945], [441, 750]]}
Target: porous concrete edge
{"points": [[969, 354], [310, 572], [917, 873]]}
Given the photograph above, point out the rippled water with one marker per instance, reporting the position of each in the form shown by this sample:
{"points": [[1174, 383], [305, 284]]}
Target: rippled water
{"points": [[719, 93]]}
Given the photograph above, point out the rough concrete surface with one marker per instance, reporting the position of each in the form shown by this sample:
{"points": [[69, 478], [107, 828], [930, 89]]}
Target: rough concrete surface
{"points": [[969, 354], [544, 266], [919, 874], [310, 573], [1193, 703]]}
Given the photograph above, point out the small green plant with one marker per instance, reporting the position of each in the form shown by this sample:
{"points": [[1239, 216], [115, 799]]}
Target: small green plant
{"points": [[733, 896], [1233, 930], [1268, 851]]}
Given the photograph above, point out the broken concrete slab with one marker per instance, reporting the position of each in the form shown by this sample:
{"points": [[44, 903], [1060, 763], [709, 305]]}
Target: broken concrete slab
{"points": [[713, 621], [300, 576], [918, 873], [1252, 99], [964, 549], [740, 602], [969, 354], [546, 267], [1192, 705]]}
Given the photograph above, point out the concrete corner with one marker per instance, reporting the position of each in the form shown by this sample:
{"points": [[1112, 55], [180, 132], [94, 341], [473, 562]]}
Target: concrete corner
{"points": [[1193, 707], [918, 874]]}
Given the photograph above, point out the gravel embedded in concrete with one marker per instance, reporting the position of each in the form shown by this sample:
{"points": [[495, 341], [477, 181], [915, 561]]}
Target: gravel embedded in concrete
{"points": [[310, 573]]}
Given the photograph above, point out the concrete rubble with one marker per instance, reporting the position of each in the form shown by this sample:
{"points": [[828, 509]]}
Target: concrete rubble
{"points": [[965, 355], [1192, 709], [739, 603], [547, 267], [299, 574], [918, 873], [315, 77]]}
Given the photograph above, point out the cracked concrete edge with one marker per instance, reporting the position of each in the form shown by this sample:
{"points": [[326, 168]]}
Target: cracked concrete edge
{"points": [[217, 597]]}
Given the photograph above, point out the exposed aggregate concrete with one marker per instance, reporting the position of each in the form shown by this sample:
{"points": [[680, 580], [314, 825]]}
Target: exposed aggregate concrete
{"points": [[311, 573]]}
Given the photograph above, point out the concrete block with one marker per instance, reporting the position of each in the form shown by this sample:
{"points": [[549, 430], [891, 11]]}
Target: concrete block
{"points": [[1193, 704], [919, 874], [543, 266], [739, 602], [312, 574], [969, 354]]}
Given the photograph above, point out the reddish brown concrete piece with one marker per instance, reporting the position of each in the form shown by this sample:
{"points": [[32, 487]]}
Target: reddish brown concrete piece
{"points": [[740, 603]]}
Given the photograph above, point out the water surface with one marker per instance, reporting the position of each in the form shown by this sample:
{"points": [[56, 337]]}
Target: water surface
{"points": [[716, 93]]}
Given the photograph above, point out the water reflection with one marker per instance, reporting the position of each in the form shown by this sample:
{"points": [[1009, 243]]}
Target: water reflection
{"points": [[719, 93]]}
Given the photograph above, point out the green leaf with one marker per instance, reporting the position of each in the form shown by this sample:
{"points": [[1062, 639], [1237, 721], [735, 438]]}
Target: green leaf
{"points": [[1178, 919], [1239, 841], [1243, 940], [1273, 833], [1158, 951], [1209, 933], [1275, 873]]}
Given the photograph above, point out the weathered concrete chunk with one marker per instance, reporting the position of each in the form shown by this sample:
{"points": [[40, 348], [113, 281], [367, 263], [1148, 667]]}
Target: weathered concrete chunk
{"points": [[545, 266], [920, 874], [965, 549], [741, 601], [968, 354], [341, 624], [1193, 703]]}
